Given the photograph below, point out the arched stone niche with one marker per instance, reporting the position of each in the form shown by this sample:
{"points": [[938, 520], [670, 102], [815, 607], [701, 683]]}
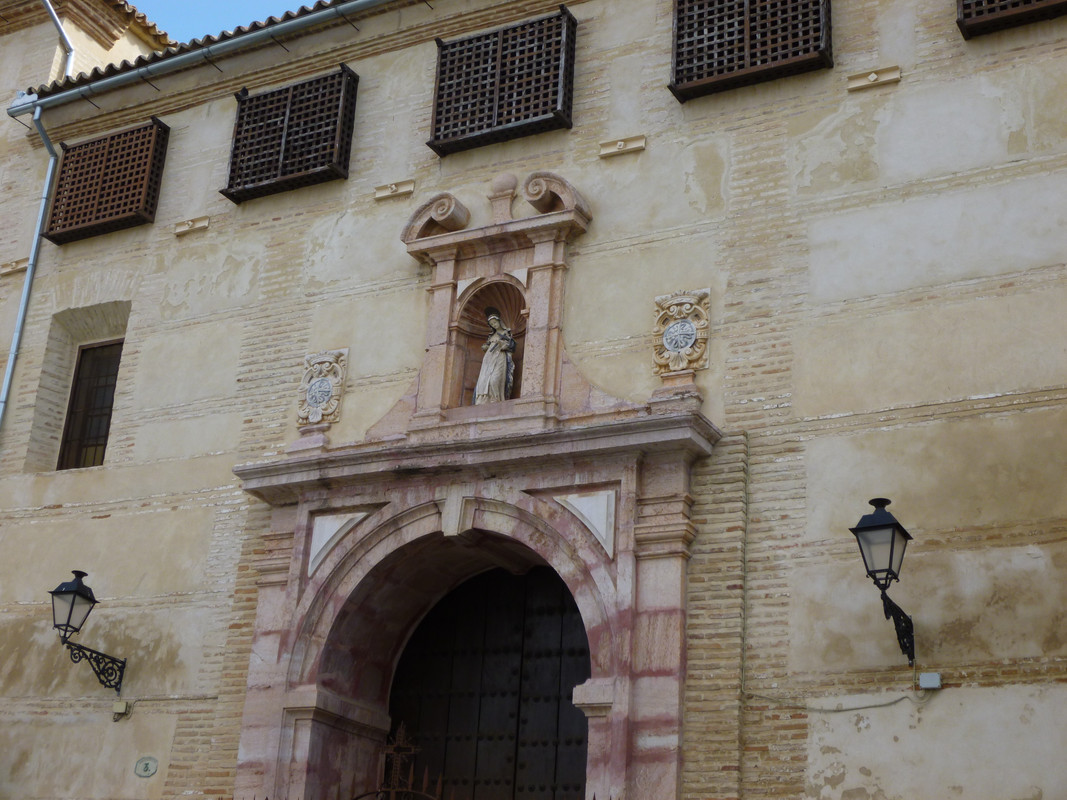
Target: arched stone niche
{"points": [[366, 537], [470, 330], [513, 264]]}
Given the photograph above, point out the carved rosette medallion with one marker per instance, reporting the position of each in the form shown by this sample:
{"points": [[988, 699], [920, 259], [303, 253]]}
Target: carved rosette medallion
{"points": [[681, 331], [321, 388]]}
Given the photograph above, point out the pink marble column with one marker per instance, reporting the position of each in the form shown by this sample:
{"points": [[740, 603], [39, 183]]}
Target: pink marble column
{"points": [[433, 379], [544, 298], [662, 535]]}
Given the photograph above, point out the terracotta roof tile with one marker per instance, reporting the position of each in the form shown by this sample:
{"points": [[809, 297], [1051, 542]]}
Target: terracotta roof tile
{"points": [[149, 27], [175, 48]]}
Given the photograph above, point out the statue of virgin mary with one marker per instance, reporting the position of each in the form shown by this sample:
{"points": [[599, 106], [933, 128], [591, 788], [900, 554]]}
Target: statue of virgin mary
{"points": [[498, 367]]}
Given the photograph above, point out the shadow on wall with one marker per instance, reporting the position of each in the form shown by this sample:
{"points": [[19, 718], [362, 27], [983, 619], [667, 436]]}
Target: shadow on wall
{"points": [[39, 665]]}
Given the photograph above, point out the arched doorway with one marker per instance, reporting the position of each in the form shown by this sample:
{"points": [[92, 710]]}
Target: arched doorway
{"points": [[483, 689]]}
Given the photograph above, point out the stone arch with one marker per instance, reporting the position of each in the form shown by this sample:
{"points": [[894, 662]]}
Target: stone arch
{"points": [[596, 488], [379, 558], [382, 579], [470, 330]]}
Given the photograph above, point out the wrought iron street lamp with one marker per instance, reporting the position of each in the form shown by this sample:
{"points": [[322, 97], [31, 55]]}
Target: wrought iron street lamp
{"points": [[71, 603], [882, 542]]}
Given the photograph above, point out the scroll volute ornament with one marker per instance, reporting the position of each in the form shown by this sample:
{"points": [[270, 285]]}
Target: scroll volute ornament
{"points": [[548, 192], [681, 331], [442, 213]]}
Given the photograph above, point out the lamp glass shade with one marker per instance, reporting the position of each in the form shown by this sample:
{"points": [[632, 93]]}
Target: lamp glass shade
{"points": [[883, 552], [882, 542], [71, 603]]}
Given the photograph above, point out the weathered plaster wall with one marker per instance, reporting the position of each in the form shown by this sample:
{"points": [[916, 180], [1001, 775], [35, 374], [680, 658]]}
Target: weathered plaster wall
{"points": [[1007, 738], [887, 281], [26, 60], [33, 753], [24, 56]]}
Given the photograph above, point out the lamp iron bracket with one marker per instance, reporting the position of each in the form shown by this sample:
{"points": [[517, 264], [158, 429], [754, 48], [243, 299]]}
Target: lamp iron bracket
{"points": [[108, 669], [902, 623]]}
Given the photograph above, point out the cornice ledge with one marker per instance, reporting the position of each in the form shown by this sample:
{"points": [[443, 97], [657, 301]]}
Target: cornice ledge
{"points": [[567, 222], [438, 224], [102, 22], [284, 481]]}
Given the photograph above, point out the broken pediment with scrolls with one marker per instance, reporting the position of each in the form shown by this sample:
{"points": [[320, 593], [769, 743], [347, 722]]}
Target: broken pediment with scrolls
{"points": [[515, 267]]}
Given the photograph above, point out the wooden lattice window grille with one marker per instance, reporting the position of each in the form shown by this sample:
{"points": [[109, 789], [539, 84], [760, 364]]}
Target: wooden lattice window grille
{"points": [[722, 44], [975, 17], [92, 397], [109, 183], [296, 136], [504, 84]]}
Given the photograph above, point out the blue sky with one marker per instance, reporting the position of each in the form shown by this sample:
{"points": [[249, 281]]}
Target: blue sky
{"points": [[188, 19]]}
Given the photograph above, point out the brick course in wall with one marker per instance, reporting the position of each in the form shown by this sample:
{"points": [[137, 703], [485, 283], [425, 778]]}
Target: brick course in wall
{"points": [[750, 700]]}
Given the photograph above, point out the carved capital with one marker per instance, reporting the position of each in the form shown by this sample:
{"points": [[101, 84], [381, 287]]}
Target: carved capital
{"points": [[595, 697], [663, 527]]}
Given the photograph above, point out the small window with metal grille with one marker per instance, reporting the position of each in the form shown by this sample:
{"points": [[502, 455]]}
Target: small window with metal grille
{"points": [[504, 84], [92, 398], [975, 17], [108, 184], [722, 44], [296, 136]]}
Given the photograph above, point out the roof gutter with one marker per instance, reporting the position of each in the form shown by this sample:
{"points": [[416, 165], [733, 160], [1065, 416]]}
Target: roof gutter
{"points": [[64, 40], [26, 103]]}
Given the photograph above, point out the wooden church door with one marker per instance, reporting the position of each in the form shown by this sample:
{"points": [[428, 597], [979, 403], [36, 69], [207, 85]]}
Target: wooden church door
{"points": [[483, 690]]}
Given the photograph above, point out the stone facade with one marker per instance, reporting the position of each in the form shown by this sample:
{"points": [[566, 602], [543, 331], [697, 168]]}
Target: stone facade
{"points": [[878, 271]]}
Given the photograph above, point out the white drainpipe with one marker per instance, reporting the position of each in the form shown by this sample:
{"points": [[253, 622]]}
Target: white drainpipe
{"points": [[27, 103], [35, 249], [64, 40]]}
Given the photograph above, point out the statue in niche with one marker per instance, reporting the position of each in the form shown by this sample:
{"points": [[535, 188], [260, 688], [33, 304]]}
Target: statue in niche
{"points": [[498, 367]]}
